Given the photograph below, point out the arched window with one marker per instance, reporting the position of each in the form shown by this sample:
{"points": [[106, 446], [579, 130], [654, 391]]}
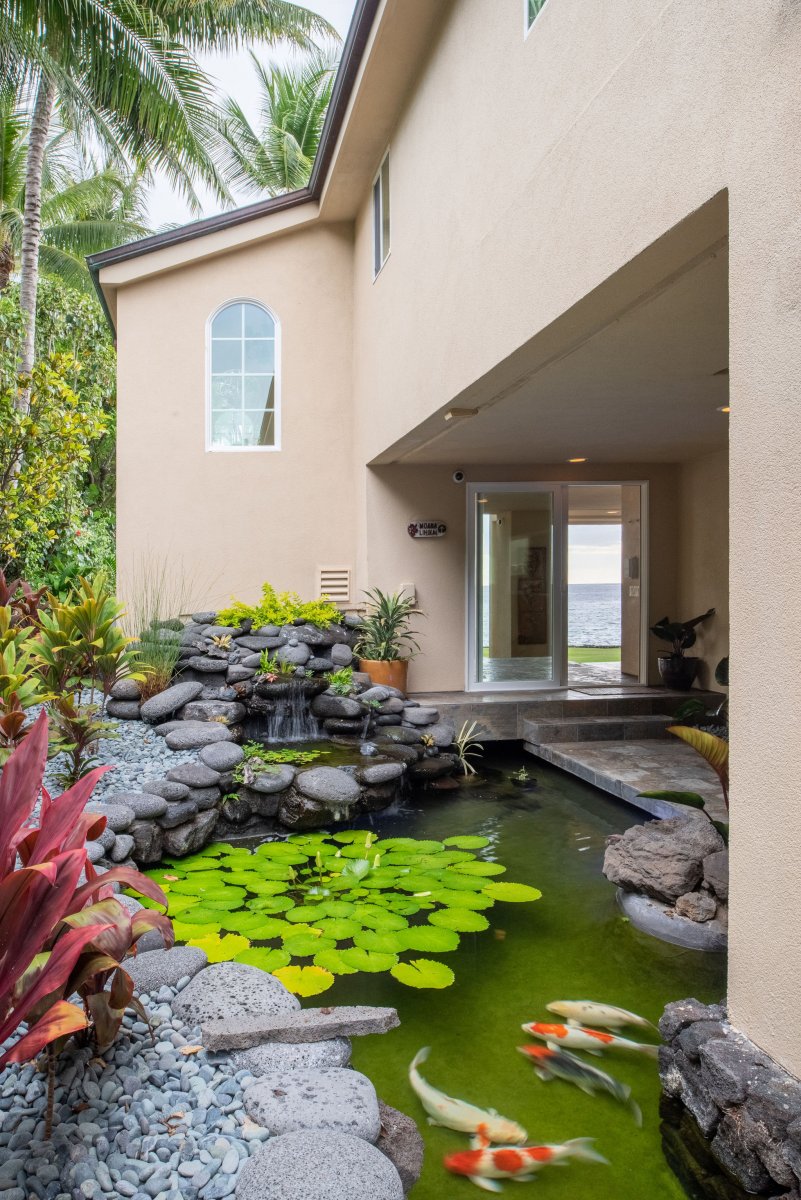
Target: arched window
{"points": [[243, 411]]}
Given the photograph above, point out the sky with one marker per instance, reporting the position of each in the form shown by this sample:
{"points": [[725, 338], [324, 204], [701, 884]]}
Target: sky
{"points": [[235, 76], [594, 553]]}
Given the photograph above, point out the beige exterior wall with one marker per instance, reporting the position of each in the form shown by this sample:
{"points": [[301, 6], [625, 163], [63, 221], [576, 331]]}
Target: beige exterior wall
{"points": [[226, 522], [703, 496]]}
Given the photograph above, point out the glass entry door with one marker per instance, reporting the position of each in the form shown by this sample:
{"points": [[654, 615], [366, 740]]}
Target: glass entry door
{"points": [[516, 600]]}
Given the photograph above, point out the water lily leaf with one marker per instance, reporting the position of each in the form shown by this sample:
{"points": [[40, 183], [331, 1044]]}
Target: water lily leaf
{"points": [[481, 868], [264, 957], [386, 941], [446, 858], [453, 899], [307, 912], [467, 841], [267, 887], [178, 904], [297, 930], [339, 928], [166, 878], [271, 904], [414, 845], [190, 933], [460, 881], [221, 949], [515, 893], [199, 882], [463, 920], [331, 960], [282, 852], [432, 939], [304, 945], [423, 973], [200, 914], [214, 850], [402, 859], [419, 883], [305, 981], [374, 917], [367, 960], [344, 836], [258, 925], [194, 864], [338, 908]]}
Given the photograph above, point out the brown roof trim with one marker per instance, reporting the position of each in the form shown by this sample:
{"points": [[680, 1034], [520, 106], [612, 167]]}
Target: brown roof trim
{"points": [[352, 53]]}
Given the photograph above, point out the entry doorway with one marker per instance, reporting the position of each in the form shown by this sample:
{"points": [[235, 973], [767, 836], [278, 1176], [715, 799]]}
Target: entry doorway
{"points": [[556, 585]]}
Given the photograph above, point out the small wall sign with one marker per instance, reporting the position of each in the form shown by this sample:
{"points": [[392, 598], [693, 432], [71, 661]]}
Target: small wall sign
{"points": [[427, 529]]}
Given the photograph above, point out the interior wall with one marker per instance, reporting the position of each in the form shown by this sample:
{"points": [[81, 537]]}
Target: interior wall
{"points": [[437, 567], [704, 556]]}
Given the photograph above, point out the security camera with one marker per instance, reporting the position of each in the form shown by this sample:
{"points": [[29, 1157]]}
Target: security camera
{"points": [[458, 476]]}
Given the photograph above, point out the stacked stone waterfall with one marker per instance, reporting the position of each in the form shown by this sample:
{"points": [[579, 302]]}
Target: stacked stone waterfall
{"points": [[221, 697]]}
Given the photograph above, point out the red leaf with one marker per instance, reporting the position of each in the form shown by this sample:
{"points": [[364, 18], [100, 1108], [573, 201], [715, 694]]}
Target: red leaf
{"points": [[61, 828], [30, 920], [62, 1019], [148, 919], [19, 789], [127, 875]]}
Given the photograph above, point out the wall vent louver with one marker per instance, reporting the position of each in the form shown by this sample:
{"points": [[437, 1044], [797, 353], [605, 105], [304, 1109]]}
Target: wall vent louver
{"points": [[334, 582]]}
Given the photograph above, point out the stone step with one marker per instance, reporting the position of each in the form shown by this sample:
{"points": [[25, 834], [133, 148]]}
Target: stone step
{"points": [[623, 727]]}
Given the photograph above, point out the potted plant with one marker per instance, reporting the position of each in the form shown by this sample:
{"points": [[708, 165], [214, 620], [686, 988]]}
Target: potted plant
{"points": [[677, 670], [386, 641]]}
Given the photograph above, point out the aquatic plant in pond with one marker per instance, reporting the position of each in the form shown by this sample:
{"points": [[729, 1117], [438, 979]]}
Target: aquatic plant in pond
{"points": [[347, 902]]}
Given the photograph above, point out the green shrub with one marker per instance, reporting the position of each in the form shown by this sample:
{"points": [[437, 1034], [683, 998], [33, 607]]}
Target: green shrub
{"points": [[280, 609]]}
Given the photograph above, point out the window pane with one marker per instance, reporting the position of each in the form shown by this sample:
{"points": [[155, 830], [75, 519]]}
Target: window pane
{"points": [[259, 428], [260, 356], [377, 225], [228, 323], [226, 428], [258, 392], [226, 392], [534, 7], [226, 357], [258, 323], [385, 210]]}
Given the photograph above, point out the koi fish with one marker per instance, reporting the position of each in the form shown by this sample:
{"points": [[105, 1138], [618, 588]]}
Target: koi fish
{"points": [[551, 1063], [588, 1012], [578, 1037], [484, 1166], [458, 1114]]}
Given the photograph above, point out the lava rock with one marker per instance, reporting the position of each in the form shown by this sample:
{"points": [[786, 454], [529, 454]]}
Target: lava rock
{"points": [[401, 1141], [420, 716], [123, 848], [400, 737], [284, 1056], [383, 772], [177, 813], [698, 906], [716, 873], [443, 734], [432, 768], [341, 655], [318, 1165], [325, 1098], [204, 798], [163, 705], [204, 664], [240, 1031], [148, 842], [235, 807], [231, 991], [119, 817], [158, 968], [277, 779], [299, 812], [239, 674], [293, 656], [662, 859]]}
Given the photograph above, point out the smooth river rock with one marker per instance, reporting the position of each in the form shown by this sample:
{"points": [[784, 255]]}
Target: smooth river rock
{"points": [[329, 786], [195, 734], [163, 705]]}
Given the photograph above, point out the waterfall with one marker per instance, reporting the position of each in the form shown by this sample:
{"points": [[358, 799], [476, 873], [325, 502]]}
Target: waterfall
{"points": [[291, 720]]}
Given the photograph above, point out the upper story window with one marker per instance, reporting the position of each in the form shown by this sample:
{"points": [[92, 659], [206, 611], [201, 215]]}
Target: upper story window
{"points": [[532, 9], [381, 217], [243, 410]]}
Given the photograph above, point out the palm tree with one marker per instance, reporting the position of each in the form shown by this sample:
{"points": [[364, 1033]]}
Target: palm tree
{"points": [[84, 208], [124, 70], [279, 155]]}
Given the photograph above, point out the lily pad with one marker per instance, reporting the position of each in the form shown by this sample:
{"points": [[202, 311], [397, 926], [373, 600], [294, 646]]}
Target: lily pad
{"points": [[430, 938], [281, 852], [266, 887], [304, 945], [271, 904], [478, 867], [423, 973], [462, 920], [374, 917], [304, 981], [258, 926], [179, 904], [306, 912], [367, 960], [467, 841], [514, 893], [190, 933], [264, 957], [385, 941], [332, 960], [341, 929], [221, 949], [339, 908], [453, 899]]}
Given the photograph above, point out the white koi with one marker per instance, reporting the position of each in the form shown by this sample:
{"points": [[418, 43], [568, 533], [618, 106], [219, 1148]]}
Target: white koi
{"points": [[589, 1012], [458, 1114]]}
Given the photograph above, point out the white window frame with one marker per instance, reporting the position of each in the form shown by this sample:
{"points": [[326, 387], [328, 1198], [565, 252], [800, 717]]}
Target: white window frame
{"points": [[529, 25], [276, 446], [380, 252]]}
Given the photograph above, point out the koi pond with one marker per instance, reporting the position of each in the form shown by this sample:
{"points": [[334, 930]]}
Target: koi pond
{"points": [[509, 953]]}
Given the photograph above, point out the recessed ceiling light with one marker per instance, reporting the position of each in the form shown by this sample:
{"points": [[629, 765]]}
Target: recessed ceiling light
{"points": [[576, 460], [724, 408]]}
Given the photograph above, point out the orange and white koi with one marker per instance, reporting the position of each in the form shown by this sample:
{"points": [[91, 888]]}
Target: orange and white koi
{"points": [[458, 1114], [484, 1166], [578, 1037], [589, 1012], [551, 1062]]}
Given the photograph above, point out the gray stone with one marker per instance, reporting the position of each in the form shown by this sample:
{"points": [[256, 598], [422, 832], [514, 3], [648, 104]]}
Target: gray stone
{"points": [[298, 812], [691, 1039], [400, 737], [277, 779], [379, 693], [420, 716], [203, 664], [158, 968], [229, 1031], [663, 859], [176, 813], [316, 663], [329, 786], [204, 618], [252, 662], [385, 772], [225, 713], [204, 798], [698, 906], [268, 631], [432, 768], [694, 1095], [196, 734], [330, 705], [168, 789], [341, 655], [194, 775], [404, 754], [325, 1098], [284, 1056], [392, 707], [169, 701], [730, 1148], [166, 727], [229, 993], [318, 1165], [401, 1141], [716, 873], [239, 674], [94, 852], [294, 656], [681, 1013], [126, 689], [107, 838], [443, 734], [341, 727], [144, 805], [123, 848], [119, 817], [124, 710], [730, 1067], [235, 807], [253, 642], [662, 921], [148, 842], [192, 835]]}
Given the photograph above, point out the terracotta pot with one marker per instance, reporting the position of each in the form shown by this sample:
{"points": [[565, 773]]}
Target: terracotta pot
{"points": [[391, 673]]}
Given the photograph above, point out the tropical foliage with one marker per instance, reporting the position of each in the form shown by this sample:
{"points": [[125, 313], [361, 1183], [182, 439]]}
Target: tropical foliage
{"points": [[280, 609], [320, 905], [714, 749], [385, 634], [278, 155]]}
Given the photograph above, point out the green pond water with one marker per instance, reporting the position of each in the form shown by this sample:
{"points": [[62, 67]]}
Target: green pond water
{"points": [[573, 943]]}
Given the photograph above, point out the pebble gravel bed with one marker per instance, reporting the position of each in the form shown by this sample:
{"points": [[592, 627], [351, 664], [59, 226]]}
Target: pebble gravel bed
{"points": [[138, 1122]]}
